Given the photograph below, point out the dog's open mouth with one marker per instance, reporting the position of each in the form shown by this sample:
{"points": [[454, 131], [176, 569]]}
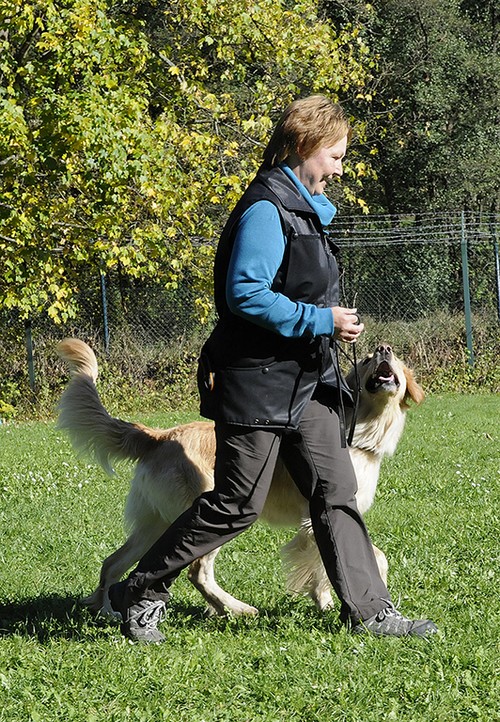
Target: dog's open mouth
{"points": [[382, 378]]}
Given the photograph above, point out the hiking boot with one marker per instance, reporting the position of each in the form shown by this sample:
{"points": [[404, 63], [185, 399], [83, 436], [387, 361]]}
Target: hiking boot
{"points": [[140, 619], [389, 622]]}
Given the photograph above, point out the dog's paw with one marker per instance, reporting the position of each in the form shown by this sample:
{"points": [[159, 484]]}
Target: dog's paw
{"points": [[108, 613], [244, 610], [99, 605], [234, 610]]}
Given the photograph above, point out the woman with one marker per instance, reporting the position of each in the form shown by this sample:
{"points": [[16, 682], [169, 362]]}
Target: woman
{"points": [[269, 380]]}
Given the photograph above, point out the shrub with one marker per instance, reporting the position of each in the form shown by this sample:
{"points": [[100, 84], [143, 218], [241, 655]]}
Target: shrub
{"points": [[137, 374]]}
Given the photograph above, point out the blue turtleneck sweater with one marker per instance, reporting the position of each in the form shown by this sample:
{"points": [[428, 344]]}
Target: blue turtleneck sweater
{"points": [[257, 254]]}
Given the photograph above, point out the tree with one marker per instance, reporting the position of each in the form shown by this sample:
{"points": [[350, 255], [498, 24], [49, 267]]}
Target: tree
{"points": [[127, 130], [434, 117]]}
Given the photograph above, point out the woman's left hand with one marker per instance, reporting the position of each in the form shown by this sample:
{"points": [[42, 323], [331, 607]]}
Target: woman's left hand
{"points": [[347, 324]]}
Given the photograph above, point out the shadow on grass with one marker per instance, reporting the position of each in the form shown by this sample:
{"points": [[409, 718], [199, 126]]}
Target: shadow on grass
{"points": [[63, 617], [273, 618], [44, 617]]}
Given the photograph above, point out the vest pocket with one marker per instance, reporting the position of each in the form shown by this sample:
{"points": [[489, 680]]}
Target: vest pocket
{"points": [[270, 395]]}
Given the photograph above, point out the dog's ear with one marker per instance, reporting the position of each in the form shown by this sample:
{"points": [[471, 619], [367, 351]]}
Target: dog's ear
{"points": [[413, 389]]}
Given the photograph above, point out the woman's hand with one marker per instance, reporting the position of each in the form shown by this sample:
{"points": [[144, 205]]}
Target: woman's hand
{"points": [[347, 324]]}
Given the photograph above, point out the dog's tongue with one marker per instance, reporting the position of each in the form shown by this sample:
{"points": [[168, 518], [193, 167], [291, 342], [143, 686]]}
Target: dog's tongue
{"points": [[384, 373]]}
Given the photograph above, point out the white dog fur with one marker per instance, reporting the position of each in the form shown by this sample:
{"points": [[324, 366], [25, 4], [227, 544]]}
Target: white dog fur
{"points": [[174, 466]]}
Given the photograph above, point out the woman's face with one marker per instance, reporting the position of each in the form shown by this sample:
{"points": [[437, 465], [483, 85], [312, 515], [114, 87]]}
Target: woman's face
{"points": [[315, 171]]}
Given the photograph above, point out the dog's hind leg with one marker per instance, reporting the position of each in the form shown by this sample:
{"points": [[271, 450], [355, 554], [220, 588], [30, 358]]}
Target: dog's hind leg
{"points": [[382, 563], [320, 587], [306, 573], [114, 567], [201, 574], [305, 570]]}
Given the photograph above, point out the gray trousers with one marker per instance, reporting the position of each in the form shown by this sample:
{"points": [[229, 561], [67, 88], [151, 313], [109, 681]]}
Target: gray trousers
{"points": [[245, 460]]}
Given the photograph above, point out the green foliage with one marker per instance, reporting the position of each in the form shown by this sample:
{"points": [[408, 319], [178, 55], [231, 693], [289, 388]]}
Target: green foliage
{"points": [[73, 139], [7, 411], [434, 516], [127, 130], [434, 116]]}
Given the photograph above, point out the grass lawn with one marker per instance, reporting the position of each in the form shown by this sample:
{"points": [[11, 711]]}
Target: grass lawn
{"points": [[435, 516]]}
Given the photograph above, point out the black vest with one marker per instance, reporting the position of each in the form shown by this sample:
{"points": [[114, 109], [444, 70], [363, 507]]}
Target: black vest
{"points": [[249, 375]]}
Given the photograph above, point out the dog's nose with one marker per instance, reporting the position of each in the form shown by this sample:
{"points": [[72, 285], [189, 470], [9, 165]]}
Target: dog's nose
{"points": [[384, 350]]}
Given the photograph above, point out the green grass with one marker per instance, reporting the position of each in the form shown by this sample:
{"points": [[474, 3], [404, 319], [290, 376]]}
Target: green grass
{"points": [[435, 516]]}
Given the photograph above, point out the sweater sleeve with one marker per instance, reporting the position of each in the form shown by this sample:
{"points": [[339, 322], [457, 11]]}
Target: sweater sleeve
{"points": [[257, 254]]}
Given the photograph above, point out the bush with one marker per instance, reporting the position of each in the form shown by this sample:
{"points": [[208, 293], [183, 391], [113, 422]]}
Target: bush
{"points": [[151, 376]]}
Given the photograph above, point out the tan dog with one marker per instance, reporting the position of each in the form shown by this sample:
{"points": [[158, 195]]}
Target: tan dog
{"points": [[174, 466]]}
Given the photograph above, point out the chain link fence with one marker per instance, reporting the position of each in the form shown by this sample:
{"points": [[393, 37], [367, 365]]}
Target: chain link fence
{"points": [[410, 277], [431, 267], [404, 268]]}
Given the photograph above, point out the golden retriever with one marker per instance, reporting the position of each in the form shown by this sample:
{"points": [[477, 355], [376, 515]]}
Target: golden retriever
{"points": [[174, 466]]}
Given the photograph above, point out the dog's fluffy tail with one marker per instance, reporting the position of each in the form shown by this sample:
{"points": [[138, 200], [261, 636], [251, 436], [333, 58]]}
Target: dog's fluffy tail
{"points": [[90, 427], [79, 357]]}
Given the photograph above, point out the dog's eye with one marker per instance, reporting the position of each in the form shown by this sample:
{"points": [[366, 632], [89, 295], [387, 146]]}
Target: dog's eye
{"points": [[366, 360]]}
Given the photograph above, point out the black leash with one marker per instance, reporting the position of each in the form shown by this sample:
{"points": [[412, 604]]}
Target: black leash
{"points": [[356, 392]]}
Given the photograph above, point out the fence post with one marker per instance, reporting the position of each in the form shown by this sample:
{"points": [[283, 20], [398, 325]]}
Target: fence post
{"points": [[29, 353], [497, 270], [104, 311], [466, 288]]}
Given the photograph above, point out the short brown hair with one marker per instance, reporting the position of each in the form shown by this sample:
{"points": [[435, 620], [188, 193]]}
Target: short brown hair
{"points": [[306, 125]]}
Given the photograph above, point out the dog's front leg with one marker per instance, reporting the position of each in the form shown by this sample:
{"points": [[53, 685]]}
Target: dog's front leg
{"points": [[114, 567], [201, 574]]}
